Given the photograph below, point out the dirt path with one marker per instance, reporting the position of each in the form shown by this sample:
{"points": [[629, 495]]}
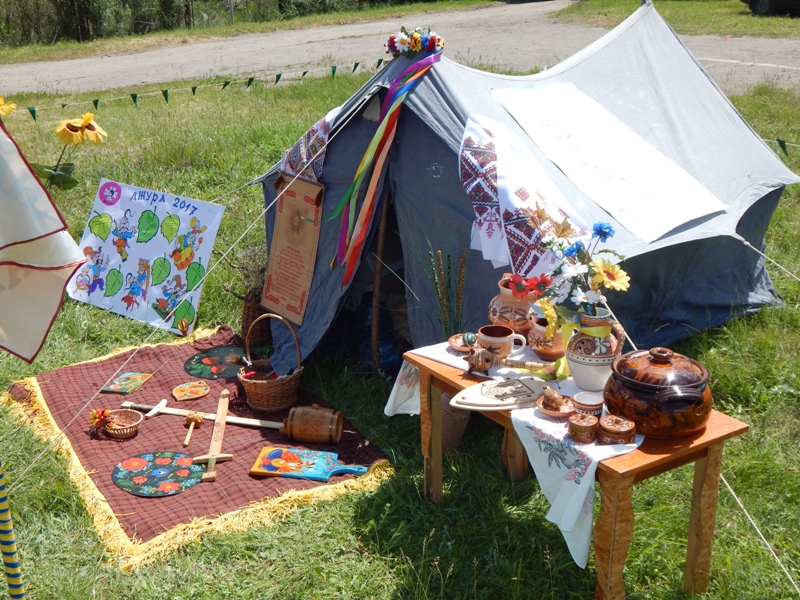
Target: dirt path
{"points": [[515, 36]]}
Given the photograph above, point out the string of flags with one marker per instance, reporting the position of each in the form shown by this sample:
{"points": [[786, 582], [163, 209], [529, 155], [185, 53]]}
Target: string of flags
{"points": [[134, 97]]}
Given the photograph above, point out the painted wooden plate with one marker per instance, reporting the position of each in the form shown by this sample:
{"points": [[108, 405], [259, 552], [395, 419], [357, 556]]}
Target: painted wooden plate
{"points": [[217, 363], [157, 474], [566, 409], [191, 391]]}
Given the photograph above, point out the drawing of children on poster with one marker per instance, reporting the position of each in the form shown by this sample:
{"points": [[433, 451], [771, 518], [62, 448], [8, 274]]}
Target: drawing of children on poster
{"points": [[162, 248]]}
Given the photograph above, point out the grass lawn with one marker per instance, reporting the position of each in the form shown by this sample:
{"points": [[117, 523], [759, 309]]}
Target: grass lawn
{"points": [[488, 538]]}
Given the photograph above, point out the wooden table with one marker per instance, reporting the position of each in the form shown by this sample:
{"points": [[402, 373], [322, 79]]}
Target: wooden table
{"points": [[613, 529]]}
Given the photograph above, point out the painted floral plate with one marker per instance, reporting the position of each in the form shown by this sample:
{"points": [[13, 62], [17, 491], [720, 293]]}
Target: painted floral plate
{"points": [[157, 474], [217, 363]]}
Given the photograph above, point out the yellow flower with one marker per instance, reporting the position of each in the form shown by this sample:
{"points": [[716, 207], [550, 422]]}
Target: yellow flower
{"points": [[552, 318], [6, 108], [415, 42], [76, 131], [609, 275]]}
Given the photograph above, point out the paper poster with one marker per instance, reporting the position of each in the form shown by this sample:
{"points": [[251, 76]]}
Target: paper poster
{"points": [[294, 247], [147, 254], [640, 187]]}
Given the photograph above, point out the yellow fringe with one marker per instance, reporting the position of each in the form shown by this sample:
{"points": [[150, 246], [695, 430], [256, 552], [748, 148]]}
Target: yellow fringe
{"points": [[129, 554]]}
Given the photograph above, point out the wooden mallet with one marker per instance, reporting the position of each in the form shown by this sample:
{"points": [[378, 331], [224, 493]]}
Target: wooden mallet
{"points": [[193, 419], [215, 449], [479, 359]]}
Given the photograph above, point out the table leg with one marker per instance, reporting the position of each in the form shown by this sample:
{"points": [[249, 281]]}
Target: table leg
{"points": [[514, 456], [705, 492], [612, 534], [430, 399]]}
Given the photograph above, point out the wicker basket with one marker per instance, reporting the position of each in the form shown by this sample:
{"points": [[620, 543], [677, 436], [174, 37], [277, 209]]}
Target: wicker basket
{"points": [[127, 421], [265, 391], [252, 310]]}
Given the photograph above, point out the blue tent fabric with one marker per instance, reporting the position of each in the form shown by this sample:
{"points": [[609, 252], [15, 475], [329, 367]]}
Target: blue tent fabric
{"points": [[694, 278]]}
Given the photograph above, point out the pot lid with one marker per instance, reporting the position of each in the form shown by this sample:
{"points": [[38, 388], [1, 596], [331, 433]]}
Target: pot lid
{"points": [[660, 367]]}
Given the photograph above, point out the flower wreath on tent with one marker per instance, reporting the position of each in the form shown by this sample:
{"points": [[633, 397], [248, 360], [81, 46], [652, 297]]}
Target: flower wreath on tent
{"points": [[425, 49]]}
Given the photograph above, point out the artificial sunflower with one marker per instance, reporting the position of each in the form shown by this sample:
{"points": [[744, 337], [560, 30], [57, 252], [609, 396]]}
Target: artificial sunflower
{"points": [[6, 108], [76, 131], [610, 275]]}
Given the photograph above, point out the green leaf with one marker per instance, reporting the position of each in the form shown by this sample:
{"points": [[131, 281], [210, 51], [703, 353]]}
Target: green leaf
{"points": [[160, 270], [100, 225], [194, 275], [148, 226], [113, 282], [185, 310], [65, 182], [170, 226]]}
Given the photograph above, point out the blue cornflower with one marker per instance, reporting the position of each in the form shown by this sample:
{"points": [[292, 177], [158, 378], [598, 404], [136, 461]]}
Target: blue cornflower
{"points": [[574, 249], [602, 231]]}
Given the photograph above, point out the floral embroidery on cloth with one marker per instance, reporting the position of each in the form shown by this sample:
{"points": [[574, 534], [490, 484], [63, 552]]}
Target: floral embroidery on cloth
{"points": [[306, 157]]}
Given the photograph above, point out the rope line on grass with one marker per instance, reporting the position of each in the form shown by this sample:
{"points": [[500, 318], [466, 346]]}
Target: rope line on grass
{"points": [[761, 535], [774, 262], [189, 293]]}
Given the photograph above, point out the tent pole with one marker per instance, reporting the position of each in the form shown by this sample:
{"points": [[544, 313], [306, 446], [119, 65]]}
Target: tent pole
{"points": [[376, 287]]}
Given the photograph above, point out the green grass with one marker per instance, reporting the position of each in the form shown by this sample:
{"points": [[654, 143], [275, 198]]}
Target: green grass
{"points": [[488, 538], [722, 18]]}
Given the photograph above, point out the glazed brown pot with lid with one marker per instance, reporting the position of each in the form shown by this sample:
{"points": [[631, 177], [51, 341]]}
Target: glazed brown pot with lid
{"points": [[665, 393]]}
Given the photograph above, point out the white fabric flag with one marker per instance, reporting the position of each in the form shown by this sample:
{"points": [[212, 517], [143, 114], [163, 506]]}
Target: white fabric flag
{"points": [[634, 182], [37, 255]]}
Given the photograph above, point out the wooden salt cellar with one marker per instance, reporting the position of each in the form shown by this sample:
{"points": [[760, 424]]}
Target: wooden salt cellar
{"points": [[616, 430], [582, 428]]}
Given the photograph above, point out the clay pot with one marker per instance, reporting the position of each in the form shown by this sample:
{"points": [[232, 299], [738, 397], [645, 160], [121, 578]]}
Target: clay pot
{"points": [[508, 309], [666, 394], [548, 350], [589, 357]]}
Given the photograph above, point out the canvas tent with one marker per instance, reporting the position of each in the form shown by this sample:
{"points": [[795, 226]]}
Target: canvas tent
{"points": [[696, 276]]}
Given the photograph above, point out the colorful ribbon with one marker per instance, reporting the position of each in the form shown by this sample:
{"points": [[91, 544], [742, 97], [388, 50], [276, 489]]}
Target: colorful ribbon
{"points": [[354, 227]]}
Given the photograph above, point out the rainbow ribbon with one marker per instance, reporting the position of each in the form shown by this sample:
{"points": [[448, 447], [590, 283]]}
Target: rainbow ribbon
{"points": [[354, 227], [8, 544]]}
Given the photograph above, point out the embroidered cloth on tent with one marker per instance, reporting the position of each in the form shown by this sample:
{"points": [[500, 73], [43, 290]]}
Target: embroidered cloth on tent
{"points": [[136, 529]]}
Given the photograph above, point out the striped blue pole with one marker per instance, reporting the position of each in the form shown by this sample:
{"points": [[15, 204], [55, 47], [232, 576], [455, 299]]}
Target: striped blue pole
{"points": [[8, 544]]}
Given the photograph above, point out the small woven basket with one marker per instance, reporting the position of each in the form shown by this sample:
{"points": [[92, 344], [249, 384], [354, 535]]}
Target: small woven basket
{"points": [[127, 422], [264, 391]]}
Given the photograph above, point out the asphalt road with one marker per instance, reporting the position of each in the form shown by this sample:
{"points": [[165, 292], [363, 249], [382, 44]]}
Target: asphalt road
{"points": [[517, 36]]}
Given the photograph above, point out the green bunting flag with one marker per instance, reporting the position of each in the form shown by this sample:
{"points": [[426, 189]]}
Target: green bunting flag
{"points": [[96, 103], [165, 93], [194, 90], [226, 84], [355, 66], [782, 144], [333, 71], [64, 105], [380, 62], [250, 81], [278, 78], [304, 74], [32, 110], [135, 98]]}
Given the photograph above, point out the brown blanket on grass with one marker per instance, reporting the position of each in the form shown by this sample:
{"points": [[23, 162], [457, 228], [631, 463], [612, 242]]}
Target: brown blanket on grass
{"points": [[143, 520]]}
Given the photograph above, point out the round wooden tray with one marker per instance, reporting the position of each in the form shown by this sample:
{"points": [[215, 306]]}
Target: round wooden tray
{"points": [[566, 409]]}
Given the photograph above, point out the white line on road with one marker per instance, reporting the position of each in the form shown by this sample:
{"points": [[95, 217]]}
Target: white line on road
{"points": [[749, 64]]}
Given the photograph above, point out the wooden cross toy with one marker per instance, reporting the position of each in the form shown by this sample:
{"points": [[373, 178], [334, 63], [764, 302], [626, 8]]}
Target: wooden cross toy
{"points": [[215, 454]]}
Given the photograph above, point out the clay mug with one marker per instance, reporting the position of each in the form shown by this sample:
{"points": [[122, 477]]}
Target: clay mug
{"points": [[500, 340]]}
